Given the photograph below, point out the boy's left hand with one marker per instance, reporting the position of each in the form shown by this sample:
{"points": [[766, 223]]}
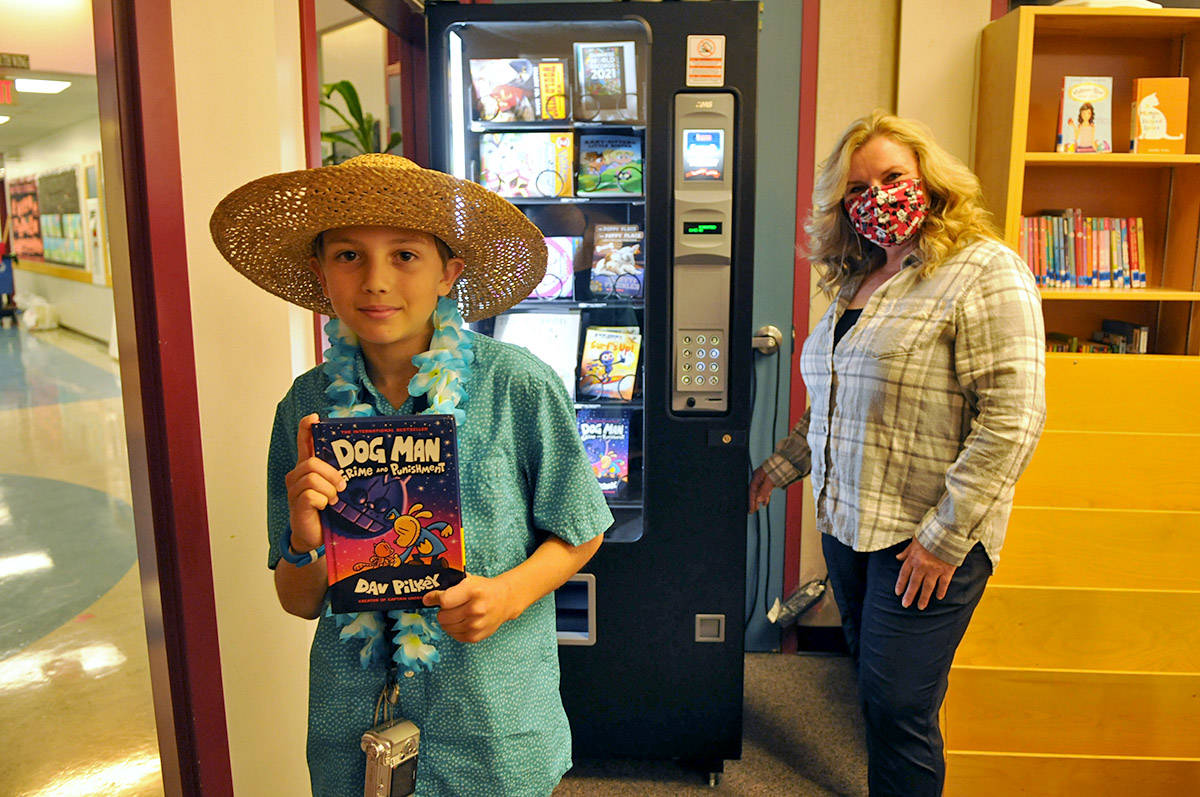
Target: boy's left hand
{"points": [[473, 609]]}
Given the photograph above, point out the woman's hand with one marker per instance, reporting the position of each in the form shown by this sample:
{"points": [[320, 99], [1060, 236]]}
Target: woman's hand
{"points": [[474, 608], [760, 489], [921, 574], [311, 486]]}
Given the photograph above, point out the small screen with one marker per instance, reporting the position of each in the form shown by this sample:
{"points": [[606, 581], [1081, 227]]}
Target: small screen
{"points": [[703, 155], [702, 228]]}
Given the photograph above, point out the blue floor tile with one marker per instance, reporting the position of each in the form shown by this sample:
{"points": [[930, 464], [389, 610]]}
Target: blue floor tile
{"points": [[34, 373]]}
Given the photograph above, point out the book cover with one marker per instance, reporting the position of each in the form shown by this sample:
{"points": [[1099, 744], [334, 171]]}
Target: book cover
{"points": [[606, 78], [395, 532], [1085, 120], [1158, 118], [533, 164], [605, 436], [608, 364], [504, 90], [618, 262], [552, 86], [559, 282], [551, 337], [609, 165]]}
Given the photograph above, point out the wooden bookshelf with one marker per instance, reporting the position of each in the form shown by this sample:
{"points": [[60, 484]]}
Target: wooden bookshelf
{"points": [[1076, 676]]}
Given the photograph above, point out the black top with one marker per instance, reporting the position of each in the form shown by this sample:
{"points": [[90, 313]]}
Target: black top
{"points": [[848, 319]]}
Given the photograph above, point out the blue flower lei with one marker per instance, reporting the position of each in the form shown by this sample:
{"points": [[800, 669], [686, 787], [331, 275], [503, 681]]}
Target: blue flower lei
{"points": [[442, 375]]}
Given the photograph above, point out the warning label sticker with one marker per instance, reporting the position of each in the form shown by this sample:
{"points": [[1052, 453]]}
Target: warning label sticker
{"points": [[706, 60]]}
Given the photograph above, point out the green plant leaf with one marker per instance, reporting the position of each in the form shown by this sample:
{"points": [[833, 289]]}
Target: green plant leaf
{"points": [[393, 142], [349, 95], [349, 125]]}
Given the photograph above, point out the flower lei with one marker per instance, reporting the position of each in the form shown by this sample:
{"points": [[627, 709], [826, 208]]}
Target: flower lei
{"points": [[442, 375]]}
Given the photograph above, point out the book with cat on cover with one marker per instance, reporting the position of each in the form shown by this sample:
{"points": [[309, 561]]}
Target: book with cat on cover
{"points": [[1085, 115], [395, 533], [605, 436], [608, 365], [1158, 118]]}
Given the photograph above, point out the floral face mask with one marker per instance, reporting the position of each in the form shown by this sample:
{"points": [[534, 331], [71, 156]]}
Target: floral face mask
{"points": [[888, 214]]}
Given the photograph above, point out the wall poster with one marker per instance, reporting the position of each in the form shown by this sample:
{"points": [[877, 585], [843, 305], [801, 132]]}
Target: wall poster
{"points": [[61, 218], [26, 221]]}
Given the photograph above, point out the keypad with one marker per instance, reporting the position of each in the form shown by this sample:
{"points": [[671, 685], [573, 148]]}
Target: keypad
{"points": [[699, 360]]}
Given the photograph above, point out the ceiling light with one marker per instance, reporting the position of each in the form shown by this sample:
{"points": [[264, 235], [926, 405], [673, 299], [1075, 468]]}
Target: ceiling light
{"points": [[4, 119], [31, 86]]}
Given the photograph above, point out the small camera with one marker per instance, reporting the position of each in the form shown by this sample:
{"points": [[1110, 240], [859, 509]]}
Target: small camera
{"points": [[391, 750]]}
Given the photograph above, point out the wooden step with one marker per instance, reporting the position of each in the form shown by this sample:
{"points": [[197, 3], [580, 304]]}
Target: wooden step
{"points": [[969, 773], [1122, 393], [1113, 471], [1100, 548], [1072, 713], [1084, 629]]}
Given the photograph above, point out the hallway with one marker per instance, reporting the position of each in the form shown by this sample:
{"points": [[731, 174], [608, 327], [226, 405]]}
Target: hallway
{"points": [[75, 701]]}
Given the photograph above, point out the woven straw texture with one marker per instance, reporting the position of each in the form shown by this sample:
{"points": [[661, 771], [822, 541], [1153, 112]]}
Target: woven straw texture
{"points": [[266, 228]]}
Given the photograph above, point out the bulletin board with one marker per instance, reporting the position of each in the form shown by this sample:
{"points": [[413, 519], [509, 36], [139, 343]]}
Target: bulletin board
{"points": [[26, 220]]}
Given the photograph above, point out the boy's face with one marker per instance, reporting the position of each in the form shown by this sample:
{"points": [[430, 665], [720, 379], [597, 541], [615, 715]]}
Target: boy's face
{"points": [[384, 282]]}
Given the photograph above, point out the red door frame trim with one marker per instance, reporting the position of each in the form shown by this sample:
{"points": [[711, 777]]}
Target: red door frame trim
{"points": [[999, 8], [806, 149], [136, 81]]}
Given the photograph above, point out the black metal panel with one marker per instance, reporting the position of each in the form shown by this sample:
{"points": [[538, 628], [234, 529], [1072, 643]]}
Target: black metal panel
{"points": [[647, 689]]}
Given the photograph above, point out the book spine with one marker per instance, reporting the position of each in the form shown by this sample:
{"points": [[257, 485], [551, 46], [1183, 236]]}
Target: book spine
{"points": [[1022, 241], [1047, 252], [1125, 263], [1081, 279], [1105, 244], [1141, 250], [1068, 224], [1094, 241]]}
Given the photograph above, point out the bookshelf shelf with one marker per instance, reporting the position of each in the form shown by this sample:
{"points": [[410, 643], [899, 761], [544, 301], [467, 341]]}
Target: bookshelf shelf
{"points": [[1138, 295], [1114, 159], [1121, 447]]}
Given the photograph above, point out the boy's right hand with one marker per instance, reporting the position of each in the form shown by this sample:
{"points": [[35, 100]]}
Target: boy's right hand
{"points": [[311, 486], [760, 489]]}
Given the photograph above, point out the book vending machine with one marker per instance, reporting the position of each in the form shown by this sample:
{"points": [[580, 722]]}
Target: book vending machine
{"points": [[625, 131]]}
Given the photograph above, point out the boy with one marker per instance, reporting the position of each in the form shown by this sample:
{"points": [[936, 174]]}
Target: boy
{"points": [[393, 250]]}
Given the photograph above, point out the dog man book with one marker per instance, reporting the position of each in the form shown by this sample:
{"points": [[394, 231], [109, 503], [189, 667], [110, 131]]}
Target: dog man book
{"points": [[395, 532]]}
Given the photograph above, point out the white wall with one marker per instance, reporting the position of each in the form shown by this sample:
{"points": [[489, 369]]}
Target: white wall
{"points": [[81, 306], [55, 34], [237, 67], [356, 52]]}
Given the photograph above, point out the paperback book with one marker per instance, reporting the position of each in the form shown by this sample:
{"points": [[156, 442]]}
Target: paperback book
{"points": [[1158, 118], [533, 164], [559, 282], [395, 533], [618, 262], [605, 436], [609, 165], [518, 89], [1085, 115], [608, 365], [606, 78]]}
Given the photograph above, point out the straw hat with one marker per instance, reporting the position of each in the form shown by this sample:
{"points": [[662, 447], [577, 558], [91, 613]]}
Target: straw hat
{"points": [[266, 228]]}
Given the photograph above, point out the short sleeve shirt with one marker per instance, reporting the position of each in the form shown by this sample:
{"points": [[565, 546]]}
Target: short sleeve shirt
{"points": [[490, 715]]}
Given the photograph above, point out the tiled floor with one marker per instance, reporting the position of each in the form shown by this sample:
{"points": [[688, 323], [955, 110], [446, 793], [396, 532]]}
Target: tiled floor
{"points": [[75, 709]]}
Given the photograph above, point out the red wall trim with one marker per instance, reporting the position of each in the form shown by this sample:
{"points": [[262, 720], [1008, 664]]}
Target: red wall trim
{"points": [[310, 96], [801, 281], [999, 8], [135, 63]]}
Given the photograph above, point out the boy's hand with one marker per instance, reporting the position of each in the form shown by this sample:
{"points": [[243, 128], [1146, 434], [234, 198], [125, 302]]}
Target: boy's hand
{"points": [[311, 486], [760, 489], [473, 609]]}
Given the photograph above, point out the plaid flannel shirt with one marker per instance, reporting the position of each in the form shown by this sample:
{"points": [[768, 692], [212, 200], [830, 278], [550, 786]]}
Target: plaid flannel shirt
{"points": [[929, 409]]}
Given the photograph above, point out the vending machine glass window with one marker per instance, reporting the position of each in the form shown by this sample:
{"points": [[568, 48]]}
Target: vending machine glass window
{"points": [[553, 117]]}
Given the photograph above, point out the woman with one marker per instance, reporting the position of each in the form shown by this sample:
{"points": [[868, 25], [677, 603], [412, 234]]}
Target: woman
{"points": [[926, 380]]}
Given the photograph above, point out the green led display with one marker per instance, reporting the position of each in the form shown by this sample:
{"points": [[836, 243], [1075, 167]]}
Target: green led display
{"points": [[702, 228]]}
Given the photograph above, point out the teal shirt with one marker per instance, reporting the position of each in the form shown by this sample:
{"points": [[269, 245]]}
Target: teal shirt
{"points": [[490, 714]]}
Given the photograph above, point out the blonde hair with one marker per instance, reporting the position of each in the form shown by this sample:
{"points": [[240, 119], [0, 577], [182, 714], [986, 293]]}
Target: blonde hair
{"points": [[956, 213]]}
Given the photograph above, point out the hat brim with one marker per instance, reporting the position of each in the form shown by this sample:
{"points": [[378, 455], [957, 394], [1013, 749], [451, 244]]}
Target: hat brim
{"points": [[266, 228]]}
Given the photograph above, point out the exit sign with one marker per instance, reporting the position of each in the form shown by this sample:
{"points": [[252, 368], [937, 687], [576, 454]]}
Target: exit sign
{"points": [[14, 60], [7, 95]]}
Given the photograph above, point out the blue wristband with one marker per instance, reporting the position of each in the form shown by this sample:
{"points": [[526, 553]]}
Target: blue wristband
{"points": [[298, 559]]}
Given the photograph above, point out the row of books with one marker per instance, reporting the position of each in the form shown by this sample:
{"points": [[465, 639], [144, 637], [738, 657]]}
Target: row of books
{"points": [[1157, 117], [617, 270], [1113, 337], [544, 164], [530, 89], [1066, 249], [607, 366]]}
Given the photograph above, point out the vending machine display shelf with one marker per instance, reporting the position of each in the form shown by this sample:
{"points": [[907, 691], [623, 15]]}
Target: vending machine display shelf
{"points": [[569, 305], [554, 124]]}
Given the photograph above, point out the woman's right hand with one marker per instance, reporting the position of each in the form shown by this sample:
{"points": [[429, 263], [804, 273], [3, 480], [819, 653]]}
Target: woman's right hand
{"points": [[311, 486], [760, 489]]}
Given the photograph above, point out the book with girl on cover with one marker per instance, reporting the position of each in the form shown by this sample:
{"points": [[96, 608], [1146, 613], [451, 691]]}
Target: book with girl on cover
{"points": [[1085, 115], [395, 533]]}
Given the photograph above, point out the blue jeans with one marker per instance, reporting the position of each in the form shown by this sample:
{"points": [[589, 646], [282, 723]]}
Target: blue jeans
{"points": [[903, 658]]}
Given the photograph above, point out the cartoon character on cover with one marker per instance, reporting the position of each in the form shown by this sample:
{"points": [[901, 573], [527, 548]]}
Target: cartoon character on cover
{"points": [[608, 466], [419, 543], [384, 556], [1084, 128]]}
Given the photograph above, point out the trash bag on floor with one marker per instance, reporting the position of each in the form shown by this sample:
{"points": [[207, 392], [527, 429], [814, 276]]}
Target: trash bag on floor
{"points": [[37, 313]]}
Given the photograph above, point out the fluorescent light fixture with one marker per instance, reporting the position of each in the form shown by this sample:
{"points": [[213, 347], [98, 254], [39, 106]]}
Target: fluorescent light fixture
{"points": [[31, 86], [4, 119], [24, 563]]}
